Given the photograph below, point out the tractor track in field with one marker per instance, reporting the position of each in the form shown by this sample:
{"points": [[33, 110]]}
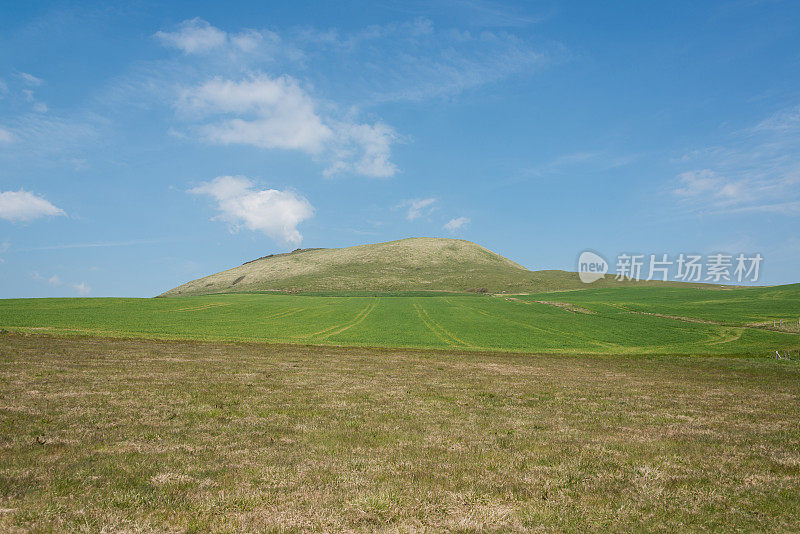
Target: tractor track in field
{"points": [[441, 332], [549, 330], [200, 308], [704, 321], [285, 313], [339, 328], [727, 335]]}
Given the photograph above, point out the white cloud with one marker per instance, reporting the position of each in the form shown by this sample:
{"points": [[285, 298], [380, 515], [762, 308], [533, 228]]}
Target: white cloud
{"points": [[226, 99], [54, 280], [6, 136], [418, 207], [270, 211], [411, 60], [82, 288], [194, 36], [250, 40], [453, 225], [23, 206], [365, 149], [4, 246], [278, 113]]}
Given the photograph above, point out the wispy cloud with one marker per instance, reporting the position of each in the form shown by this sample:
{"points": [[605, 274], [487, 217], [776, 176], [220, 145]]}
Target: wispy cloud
{"points": [[224, 95], [496, 14], [415, 60], [30, 79], [194, 36], [49, 140], [38, 107], [24, 206], [786, 120], [596, 160], [270, 211], [454, 225], [33, 135], [82, 288], [411, 60], [757, 171], [53, 281], [418, 207], [6, 137], [103, 244]]}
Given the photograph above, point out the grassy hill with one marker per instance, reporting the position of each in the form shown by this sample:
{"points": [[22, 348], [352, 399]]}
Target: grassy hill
{"points": [[414, 264]]}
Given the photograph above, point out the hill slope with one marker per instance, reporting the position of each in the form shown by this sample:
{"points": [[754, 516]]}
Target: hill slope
{"points": [[414, 264]]}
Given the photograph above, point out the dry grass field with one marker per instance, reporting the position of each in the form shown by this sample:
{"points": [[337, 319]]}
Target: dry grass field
{"points": [[152, 436]]}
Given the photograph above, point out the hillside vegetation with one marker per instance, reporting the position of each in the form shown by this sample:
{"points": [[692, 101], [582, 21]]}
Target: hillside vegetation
{"points": [[414, 264]]}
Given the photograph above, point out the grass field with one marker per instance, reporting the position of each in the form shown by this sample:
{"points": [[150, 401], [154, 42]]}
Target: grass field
{"points": [[632, 320], [142, 435], [733, 306]]}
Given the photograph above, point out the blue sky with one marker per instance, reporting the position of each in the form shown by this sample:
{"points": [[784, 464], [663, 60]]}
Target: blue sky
{"points": [[146, 145]]}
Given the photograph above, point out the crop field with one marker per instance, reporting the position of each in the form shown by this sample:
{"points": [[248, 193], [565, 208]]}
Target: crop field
{"points": [[596, 321], [101, 435]]}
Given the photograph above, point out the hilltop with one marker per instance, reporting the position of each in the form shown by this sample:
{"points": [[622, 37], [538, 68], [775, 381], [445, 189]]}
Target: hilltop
{"points": [[413, 264]]}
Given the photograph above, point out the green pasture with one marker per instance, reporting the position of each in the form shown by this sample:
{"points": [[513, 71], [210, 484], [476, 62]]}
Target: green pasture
{"points": [[602, 321], [734, 306]]}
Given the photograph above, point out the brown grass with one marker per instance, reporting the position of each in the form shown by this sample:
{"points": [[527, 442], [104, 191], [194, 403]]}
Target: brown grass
{"points": [[149, 436]]}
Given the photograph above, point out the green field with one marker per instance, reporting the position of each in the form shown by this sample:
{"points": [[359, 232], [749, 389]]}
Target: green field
{"points": [[640, 320]]}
